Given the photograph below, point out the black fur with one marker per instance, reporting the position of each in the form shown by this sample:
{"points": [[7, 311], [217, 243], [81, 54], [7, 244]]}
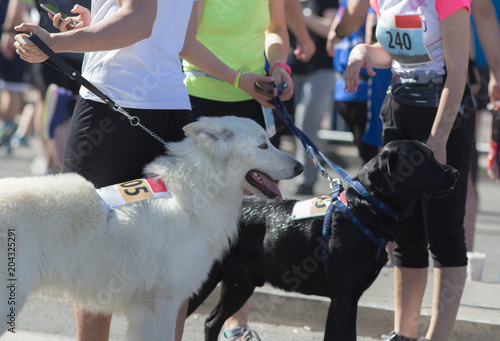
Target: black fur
{"points": [[273, 248]]}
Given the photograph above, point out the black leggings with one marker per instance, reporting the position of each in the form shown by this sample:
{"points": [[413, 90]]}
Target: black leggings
{"points": [[106, 149], [355, 114], [436, 224]]}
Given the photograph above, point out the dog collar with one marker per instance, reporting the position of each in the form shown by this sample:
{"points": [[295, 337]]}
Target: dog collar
{"points": [[133, 190], [372, 200], [339, 202]]}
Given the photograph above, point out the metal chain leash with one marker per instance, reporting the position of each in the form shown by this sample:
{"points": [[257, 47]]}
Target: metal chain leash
{"points": [[136, 122]]}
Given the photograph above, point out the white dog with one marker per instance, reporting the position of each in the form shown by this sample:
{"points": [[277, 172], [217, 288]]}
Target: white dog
{"points": [[142, 259]]}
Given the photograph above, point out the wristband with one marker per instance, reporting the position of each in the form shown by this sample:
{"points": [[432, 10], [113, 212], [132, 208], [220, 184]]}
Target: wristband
{"points": [[237, 78], [280, 64], [8, 30]]}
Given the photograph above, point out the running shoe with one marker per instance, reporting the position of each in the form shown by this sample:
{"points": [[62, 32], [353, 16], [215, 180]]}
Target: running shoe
{"points": [[242, 333]]}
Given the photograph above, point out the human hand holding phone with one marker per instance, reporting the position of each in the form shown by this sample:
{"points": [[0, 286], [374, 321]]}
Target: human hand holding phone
{"points": [[64, 22]]}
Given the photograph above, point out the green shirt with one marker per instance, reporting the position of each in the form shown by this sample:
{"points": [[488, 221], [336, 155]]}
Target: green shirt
{"points": [[233, 30]]}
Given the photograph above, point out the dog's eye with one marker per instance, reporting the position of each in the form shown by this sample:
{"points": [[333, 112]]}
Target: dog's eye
{"points": [[264, 146]]}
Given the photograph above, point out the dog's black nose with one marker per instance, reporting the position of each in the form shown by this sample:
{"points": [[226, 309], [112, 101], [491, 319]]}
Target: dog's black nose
{"points": [[299, 168]]}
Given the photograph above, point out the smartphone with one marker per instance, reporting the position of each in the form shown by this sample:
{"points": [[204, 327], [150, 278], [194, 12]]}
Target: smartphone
{"points": [[265, 88], [52, 10]]}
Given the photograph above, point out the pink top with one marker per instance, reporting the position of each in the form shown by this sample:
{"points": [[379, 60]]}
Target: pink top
{"points": [[410, 31], [443, 7]]}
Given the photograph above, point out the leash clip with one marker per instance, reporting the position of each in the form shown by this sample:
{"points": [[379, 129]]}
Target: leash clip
{"points": [[134, 121]]}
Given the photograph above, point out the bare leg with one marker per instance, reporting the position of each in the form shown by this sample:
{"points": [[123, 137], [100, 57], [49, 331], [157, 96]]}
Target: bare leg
{"points": [[26, 121], [59, 144], [91, 327], [470, 214], [409, 291], [181, 318], [240, 318], [449, 285]]}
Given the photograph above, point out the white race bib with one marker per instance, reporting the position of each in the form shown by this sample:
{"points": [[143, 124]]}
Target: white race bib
{"points": [[402, 37], [309, 208], [133, 190]]}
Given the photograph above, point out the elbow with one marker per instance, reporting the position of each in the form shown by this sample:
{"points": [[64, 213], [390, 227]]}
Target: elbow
{"points": [[184, 53], [145, 33], [186, 50]]}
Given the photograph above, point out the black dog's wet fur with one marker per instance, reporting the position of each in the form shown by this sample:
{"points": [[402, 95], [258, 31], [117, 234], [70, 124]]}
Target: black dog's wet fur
{"points": [[273, 248]]}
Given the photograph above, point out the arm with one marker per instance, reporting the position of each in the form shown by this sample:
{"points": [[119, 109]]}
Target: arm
{"points": [[331, 38], [130, 24], [488, 33], [371, 22], [296, 22], [353, 18], [17, 12], [321, 24], [190, 38], [277, 46], [455, 30], [367, 56]]}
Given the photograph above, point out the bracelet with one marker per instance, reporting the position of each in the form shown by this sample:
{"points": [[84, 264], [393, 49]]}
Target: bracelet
{"points": [[237, 78], [280, 64], [9, 30]]}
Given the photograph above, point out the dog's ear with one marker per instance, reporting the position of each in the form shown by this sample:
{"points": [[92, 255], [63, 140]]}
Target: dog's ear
{"points": [[208, 129], [212, 135], [383, 168]]}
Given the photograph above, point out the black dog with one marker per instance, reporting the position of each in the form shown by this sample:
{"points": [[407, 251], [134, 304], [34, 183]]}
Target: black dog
{"points": [[272, 247]]}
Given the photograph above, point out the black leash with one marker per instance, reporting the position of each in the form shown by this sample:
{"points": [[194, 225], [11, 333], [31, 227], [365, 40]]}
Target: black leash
{"points": [[76, 76]]}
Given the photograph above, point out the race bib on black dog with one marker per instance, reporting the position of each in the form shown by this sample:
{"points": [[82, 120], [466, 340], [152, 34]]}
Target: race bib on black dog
{"points": [[309, 208]]}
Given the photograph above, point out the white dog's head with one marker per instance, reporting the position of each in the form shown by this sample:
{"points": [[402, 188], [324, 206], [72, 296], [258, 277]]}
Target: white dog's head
{"points": [[244, 146]]}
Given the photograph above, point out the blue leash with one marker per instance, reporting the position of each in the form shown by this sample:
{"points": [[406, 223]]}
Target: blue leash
{"points": [[311, 148]]}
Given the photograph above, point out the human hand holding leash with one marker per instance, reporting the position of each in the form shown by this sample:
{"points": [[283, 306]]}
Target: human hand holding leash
{"points": [[25, 48], [246, 83], [282, 75]]}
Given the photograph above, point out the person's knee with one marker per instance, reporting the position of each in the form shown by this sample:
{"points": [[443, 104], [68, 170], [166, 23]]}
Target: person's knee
{"points": [[449, 253], [411, 256]]}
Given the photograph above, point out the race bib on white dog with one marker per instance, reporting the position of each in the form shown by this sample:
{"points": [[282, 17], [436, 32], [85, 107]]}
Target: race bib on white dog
{"points": [[309, 208], [133, 190]]}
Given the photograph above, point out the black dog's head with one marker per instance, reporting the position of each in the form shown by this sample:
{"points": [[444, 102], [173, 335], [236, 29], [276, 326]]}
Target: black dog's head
{"points": [[404, 171]]}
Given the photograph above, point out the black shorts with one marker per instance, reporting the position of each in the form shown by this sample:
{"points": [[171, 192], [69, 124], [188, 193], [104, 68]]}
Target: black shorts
{"points": [[12, 71], [106, 149], [44, 74], [207, 107], [436, 224]]}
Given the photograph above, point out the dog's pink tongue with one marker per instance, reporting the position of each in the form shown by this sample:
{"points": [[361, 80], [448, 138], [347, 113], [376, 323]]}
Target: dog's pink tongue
{"points": [[270, 185]]}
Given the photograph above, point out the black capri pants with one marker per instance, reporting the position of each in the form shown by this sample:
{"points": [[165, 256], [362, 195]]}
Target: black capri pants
{"points": [[106, 149], [436, 224]]}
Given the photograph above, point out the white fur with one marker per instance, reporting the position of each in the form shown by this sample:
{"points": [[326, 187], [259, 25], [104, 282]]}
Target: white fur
{"points": [[143, 259]]}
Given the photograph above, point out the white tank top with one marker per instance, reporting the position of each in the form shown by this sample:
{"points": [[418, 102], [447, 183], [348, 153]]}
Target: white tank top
{"points": [[147, 74]]}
